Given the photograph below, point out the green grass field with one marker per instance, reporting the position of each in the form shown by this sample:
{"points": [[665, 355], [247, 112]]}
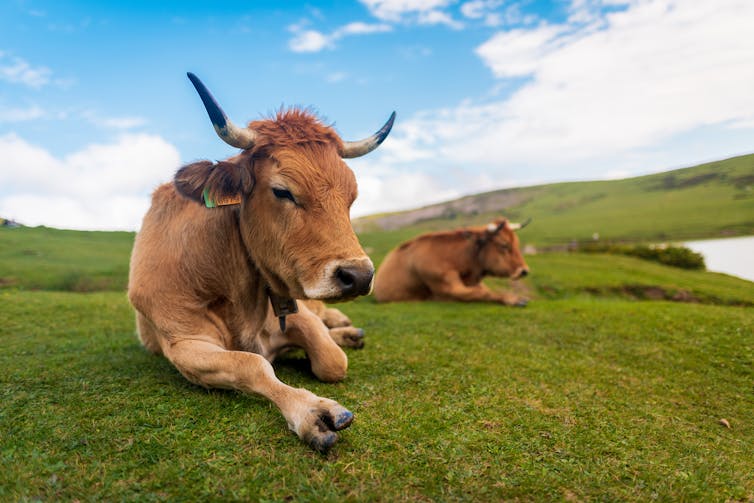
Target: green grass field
{"points": [[610, 385], [710, 200], [583, 398], [587, 393]]}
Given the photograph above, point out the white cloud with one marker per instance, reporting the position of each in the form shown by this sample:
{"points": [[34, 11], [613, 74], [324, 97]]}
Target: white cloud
{"points": [[599, 96], [119, 123], [517, 53], [21, 114], [395, 10], [382, 188], [359, 28], [407, 11], [306, 40], [309, 41], [103, 186], [483, 9], [19, 71], [439, 17]]}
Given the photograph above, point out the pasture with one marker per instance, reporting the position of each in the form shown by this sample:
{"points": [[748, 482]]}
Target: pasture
{"points": [[709, 200], [588, 393]]}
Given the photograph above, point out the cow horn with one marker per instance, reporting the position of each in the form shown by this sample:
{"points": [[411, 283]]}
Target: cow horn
{"points": [[515, 227], [353, 149], [227, 131]]}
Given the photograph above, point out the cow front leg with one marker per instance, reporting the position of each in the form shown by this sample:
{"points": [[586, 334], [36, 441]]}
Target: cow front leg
{"points": [[348, 337], [314, 419], [342, 330], [451, 287], [306, 330]]}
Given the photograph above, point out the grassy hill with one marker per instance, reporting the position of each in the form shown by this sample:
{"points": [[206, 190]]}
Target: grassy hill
{"points": [[709, 200], [604, 388], [40, 258]]}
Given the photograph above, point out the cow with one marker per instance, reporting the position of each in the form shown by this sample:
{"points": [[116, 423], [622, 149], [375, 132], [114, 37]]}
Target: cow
{"points": [[450, 265], [227, 247]]}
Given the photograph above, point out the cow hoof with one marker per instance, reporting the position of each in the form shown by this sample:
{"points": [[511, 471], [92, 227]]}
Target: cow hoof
{"points": [[343, 420], [322, 443], [348, 337], [319, 425], [356, 339]]}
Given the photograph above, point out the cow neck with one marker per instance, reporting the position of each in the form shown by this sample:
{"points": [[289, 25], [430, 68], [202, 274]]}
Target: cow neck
{"points": [[479, 244], [281, 306]]}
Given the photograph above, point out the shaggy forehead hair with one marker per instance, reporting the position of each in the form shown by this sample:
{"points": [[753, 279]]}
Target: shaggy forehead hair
{"points": [[293, 127]]}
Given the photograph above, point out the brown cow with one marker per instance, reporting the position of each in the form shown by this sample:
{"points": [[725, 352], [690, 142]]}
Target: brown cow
{"points": [[226, 247], [450, 266]]}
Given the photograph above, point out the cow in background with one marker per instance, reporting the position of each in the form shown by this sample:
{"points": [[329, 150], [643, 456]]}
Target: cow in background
{"points": [[450, 265], [224, 251]]}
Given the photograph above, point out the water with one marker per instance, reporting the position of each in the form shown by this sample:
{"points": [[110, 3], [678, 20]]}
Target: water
{"points": [[734, 256]]}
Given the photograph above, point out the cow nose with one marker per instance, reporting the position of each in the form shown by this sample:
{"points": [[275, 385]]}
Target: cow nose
{"points": [[353, 280], [524, 273]]}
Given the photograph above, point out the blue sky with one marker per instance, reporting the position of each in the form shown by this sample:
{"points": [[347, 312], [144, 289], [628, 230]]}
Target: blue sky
{"points": [[96, 110]]}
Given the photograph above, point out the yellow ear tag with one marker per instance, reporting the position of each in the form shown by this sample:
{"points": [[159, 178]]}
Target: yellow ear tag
{"points": [[223, 201]]}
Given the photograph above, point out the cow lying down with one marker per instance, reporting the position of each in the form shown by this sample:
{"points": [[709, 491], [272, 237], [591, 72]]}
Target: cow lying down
{"points": [[225, 248], [451, 265]]}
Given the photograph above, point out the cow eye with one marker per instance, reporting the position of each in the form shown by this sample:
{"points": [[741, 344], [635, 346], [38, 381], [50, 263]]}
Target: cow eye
{"points": [[283, 194]]}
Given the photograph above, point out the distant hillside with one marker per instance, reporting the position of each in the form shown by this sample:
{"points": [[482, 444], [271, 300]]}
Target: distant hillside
{"points": [[709, 200]]}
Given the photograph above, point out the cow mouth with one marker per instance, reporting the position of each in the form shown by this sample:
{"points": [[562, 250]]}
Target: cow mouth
{"points": [[340, 280], [521, 272]]}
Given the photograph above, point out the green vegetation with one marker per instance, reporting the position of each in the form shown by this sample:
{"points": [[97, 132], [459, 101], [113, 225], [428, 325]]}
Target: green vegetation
{"points": [[710, 200], [581, 398], [40, 258], [676, 256], [611, 385]]}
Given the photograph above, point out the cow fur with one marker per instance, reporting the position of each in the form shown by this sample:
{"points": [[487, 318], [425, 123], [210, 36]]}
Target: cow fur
{"points": [[450, 266], [200, 277]]}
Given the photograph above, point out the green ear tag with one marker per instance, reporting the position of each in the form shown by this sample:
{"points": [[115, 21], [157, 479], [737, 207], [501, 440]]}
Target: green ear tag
{"points": [[209, 203]]}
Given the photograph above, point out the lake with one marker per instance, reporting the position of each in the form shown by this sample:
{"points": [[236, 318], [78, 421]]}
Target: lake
{"points": [[734, 256]]}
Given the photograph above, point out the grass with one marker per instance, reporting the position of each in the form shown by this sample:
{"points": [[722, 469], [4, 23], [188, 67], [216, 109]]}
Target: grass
{"points": [[583, 397], [40, 258], [592, 392], [710, 200]]}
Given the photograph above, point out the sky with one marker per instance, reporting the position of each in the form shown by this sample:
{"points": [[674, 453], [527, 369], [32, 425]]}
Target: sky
{"points": [[96, 110]]}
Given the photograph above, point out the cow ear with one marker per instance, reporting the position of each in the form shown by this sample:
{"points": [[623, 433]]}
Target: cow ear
{"points": [[213, 184], [495, 227]]}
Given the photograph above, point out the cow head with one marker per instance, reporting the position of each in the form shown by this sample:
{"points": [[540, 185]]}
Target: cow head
{"points": [[499, 251], [293, 193]]}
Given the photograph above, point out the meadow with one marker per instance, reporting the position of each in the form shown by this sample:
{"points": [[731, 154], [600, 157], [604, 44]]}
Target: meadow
{"points": [[610, 385], [706, 201]]}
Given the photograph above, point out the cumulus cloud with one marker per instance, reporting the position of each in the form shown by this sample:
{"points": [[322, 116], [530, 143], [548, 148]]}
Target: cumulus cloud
{"points": [[307, 40], [383, 188], [595, 96], [103, 186]]}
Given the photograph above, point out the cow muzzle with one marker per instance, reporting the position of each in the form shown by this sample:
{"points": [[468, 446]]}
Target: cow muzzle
{"points": [[354, 281], [342, 280], [521, 272]]}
